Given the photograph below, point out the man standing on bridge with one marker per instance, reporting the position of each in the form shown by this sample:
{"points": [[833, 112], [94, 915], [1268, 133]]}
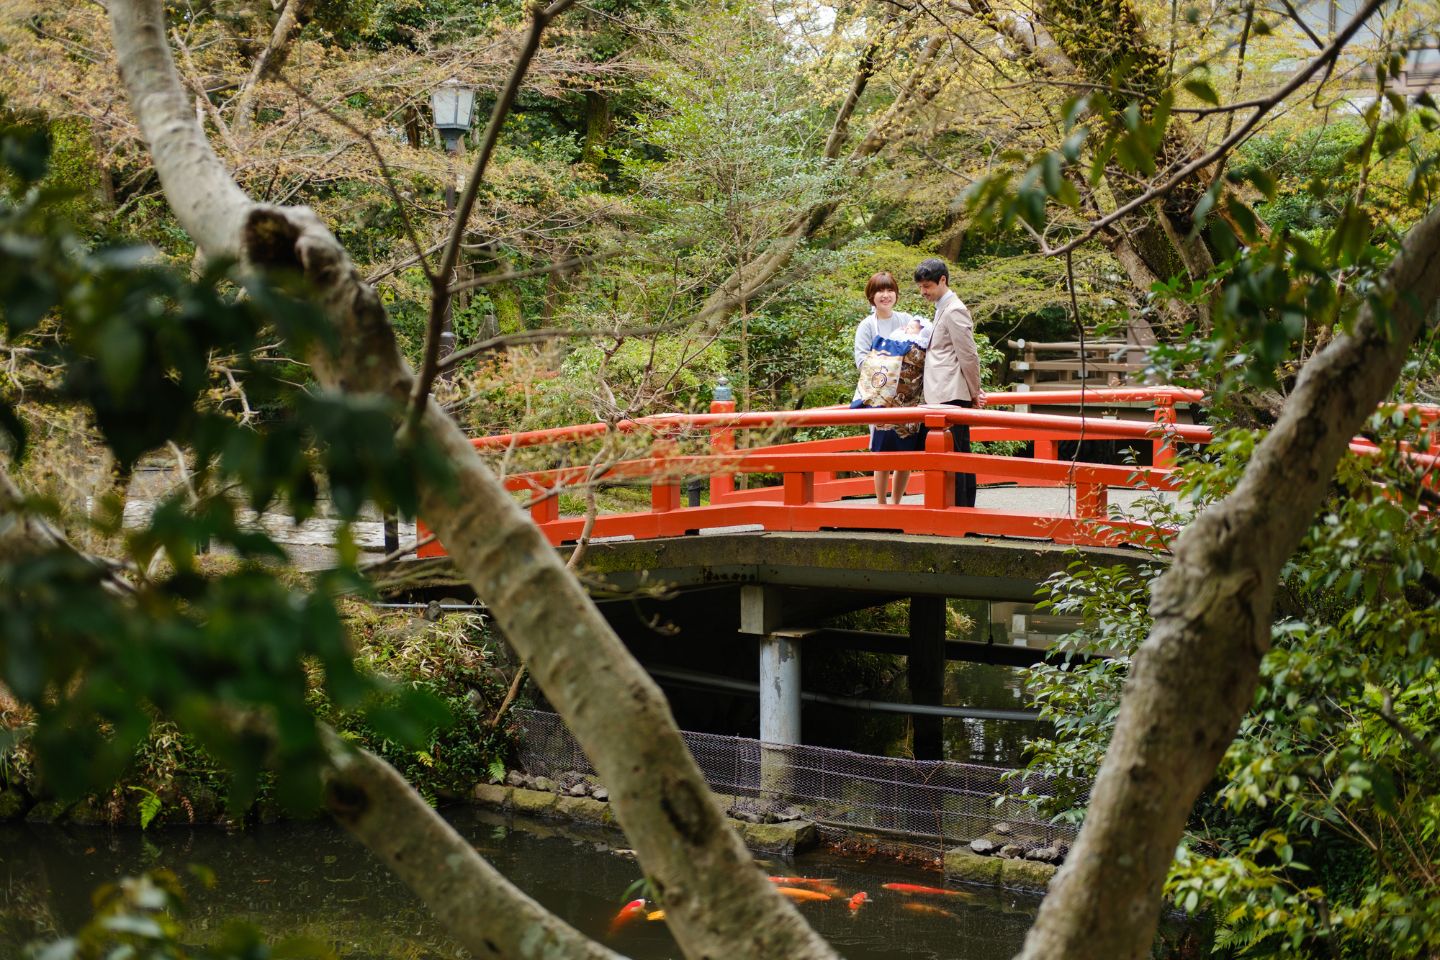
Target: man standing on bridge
{"points": [[952, 366]]}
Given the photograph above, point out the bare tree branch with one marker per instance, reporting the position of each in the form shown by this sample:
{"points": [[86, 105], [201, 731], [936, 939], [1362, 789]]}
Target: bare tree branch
{"points": [[1267, 104], [420, 255], [1300, 22], [540, 18], [269, 62], [560, 266], [539, 336]]}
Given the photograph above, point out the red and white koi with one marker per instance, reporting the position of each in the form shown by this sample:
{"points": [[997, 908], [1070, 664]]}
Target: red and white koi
{"points": [[633, 910]]}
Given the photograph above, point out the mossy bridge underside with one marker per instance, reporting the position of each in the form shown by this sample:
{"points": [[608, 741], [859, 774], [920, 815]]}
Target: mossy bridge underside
{"points": [[734, 611]]}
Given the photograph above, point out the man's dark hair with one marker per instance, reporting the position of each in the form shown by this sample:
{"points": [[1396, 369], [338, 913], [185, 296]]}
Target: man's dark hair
{"points": [[932, 270]]}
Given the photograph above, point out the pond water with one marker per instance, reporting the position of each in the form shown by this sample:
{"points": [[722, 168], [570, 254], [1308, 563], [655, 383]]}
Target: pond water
{"points": [[311, 879]]}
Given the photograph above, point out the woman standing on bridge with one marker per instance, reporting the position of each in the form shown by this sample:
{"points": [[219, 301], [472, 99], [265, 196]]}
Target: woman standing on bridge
{"points": [[890, 356]]}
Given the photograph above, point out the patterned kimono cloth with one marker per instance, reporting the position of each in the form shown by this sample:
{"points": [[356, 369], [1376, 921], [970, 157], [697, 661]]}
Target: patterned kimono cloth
{"points": [[891, 375]]}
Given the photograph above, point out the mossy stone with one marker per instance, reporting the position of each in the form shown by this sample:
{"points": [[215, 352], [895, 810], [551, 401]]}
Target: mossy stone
{"points": [[1026, 874], [47, 811], [532, 801], [785, 838], [494, 795], [583, 809], [962, 863], [91, 812]]}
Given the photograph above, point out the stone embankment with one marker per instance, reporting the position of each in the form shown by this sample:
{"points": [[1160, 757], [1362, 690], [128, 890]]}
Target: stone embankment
{"points": [[997, 859], [581, 798], [1000, 860]]}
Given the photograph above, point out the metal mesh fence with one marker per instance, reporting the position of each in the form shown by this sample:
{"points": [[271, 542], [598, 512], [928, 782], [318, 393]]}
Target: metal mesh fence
{"points": [[932, 803]]}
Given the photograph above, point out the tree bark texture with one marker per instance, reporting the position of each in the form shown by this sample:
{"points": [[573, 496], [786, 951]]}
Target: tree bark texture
{"points": [[1195, 676], [717, 904]]}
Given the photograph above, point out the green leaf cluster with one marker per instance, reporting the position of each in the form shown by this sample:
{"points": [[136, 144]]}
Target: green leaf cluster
{"points": [[1320, 834], [99, 651]]}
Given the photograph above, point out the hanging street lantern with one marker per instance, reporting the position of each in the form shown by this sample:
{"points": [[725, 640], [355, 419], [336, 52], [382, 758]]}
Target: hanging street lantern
{"points": [[452, 104]]}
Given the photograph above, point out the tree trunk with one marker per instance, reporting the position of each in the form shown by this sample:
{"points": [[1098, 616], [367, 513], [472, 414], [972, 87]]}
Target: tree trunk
{"points": [[383, 812], [1195, 676], [597, 127], [717, 903]]}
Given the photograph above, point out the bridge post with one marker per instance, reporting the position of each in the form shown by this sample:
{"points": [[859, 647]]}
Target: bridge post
{"points": [[1163, 454], [664, 488], [799, 489], [722, 440], [925, 668], [939, 484], [761, 615], [545, 505], [1092, 500]]}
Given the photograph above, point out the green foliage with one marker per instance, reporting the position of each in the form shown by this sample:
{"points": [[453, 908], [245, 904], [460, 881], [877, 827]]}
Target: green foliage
{"points": [[150, 805], [451, 661], [95, 655], [1081, 698], [1320, 835]]}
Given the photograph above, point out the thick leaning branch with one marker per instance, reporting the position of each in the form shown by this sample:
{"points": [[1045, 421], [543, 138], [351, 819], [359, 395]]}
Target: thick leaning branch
{"points": [[717, 903], [1195, 676], [385, 813]]}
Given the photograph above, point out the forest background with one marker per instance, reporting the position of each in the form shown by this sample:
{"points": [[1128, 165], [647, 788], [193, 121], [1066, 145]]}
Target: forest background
{"points": [[684, 191]]}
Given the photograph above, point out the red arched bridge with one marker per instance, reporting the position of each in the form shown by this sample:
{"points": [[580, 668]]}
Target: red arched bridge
{"points": [[813, 492], [808, 541]]}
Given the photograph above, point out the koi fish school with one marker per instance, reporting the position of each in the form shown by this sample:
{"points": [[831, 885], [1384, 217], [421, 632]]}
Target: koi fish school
{"points": [[810, 890]]}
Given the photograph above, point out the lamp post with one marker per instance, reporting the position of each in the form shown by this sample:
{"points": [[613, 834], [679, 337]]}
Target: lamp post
{"points": [[451, 103]]}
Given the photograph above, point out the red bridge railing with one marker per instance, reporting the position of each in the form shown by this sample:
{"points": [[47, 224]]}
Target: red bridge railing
{"points": [[811, 492]]}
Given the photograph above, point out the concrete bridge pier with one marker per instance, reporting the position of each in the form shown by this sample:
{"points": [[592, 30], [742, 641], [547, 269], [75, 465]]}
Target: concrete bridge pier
{"points": [[925, 668], [761, 614]]}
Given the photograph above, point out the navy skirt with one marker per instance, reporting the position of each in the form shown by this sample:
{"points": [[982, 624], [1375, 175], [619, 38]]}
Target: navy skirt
{"points": [[888, 441]]}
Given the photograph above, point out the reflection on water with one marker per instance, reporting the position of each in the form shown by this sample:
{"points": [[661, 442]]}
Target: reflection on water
{"points": [[313, 880], [993, 742]]}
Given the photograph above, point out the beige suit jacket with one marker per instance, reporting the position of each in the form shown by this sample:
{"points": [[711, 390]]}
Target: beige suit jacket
{"points": [[952, 364]]}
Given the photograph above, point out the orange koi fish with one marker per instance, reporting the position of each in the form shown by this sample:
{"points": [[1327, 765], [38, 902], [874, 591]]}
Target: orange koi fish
{"points": [[633, 910], [928, 910], [831, 890], [800, 894], [655, 915], [858, 899], [914, 888]]}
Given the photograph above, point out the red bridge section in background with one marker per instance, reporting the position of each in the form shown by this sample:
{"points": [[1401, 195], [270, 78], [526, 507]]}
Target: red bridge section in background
{"points": [[812, 492]]}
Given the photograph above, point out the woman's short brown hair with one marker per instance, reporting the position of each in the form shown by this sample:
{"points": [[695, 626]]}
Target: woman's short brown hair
{"points": [[881, 281]]}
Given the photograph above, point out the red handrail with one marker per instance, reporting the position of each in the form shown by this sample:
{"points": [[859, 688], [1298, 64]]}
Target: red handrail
{"points": [[810, 497], [674, 423]]}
